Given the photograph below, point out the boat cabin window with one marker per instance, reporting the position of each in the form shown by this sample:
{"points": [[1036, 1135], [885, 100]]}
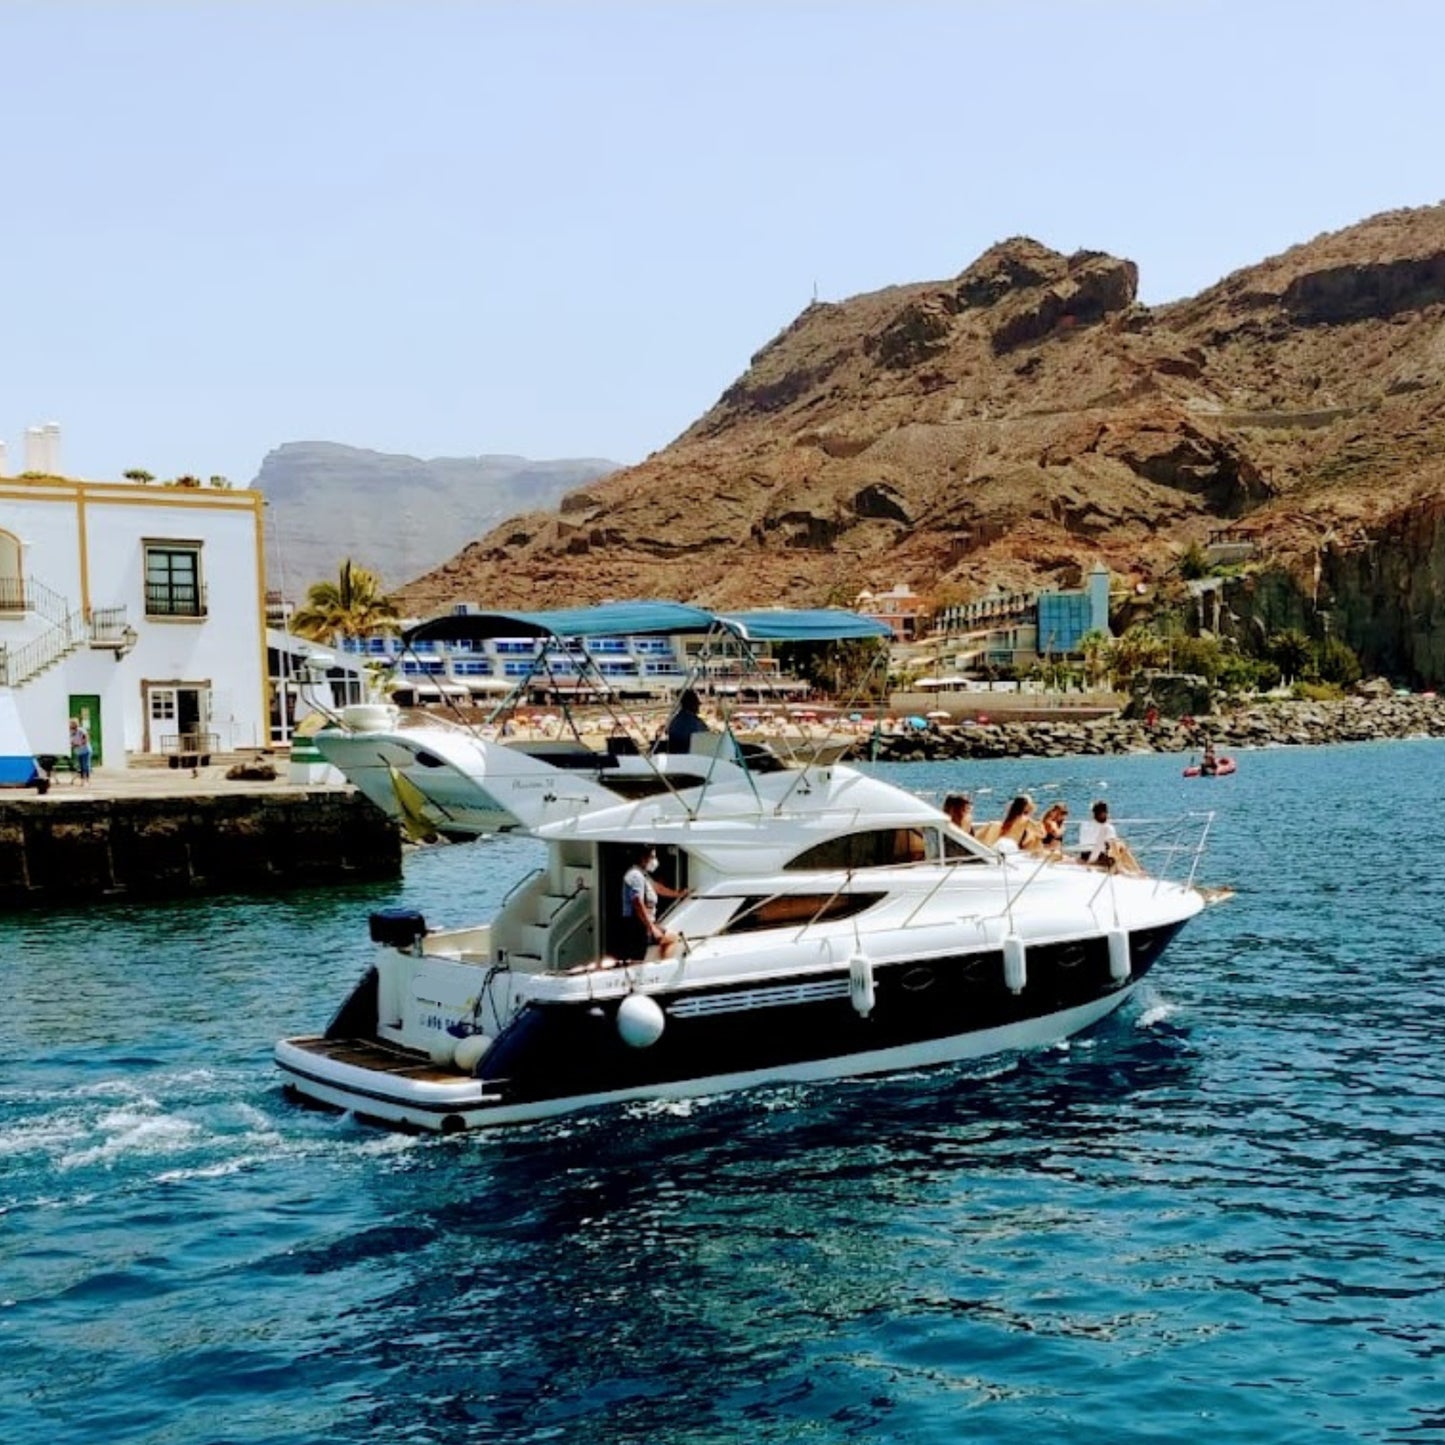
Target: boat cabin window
{"points": [[796, 909], [956, 851], [876, 848]]}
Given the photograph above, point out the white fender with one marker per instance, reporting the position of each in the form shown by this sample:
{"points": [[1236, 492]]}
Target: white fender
{"points": [[470, 1051], [860, 983], [442, 1051], [640, 1020], [1015, 963], [1119, 963]]}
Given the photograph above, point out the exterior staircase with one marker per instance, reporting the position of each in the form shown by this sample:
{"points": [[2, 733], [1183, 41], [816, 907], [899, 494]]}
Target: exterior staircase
{"points": [[68, 631]]}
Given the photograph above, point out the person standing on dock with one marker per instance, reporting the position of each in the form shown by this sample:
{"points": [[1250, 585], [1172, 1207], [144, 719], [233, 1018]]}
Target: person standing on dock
{"points": [[80, 750]]}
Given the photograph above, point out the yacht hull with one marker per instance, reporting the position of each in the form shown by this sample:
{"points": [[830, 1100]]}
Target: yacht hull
{"points": [[556, 1058]]}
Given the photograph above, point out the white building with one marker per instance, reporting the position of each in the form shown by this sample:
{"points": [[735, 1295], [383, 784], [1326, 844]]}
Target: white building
{"points": [[140, 609]]}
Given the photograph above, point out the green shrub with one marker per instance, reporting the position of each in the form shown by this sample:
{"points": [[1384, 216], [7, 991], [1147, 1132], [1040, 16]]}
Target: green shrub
{"points": [[1202, 656], [1193, 564], [1238, 673], [1337, 662]]}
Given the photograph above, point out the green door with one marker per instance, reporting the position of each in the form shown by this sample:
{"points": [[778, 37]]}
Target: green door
{"points": [[86, 707]]}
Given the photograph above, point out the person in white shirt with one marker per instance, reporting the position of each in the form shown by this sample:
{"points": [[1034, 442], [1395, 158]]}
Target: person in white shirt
{"points": [[1097, 838], [640, 927], [1101, 845]]}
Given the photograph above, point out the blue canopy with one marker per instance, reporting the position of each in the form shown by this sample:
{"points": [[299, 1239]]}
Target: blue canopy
{"points": [[610, 619], [640, 619], [822, 624]]}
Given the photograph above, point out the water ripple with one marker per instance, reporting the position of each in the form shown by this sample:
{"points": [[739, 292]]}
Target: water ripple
{"points": [[1219, 1215]]}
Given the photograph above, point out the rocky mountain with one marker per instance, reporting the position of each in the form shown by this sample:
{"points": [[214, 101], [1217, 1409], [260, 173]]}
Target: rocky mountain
{"points": [[1012, 425], [397, 515]]}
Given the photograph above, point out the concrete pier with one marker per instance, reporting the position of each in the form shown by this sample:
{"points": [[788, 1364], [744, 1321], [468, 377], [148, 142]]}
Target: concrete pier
{"points": [[156, 835]]}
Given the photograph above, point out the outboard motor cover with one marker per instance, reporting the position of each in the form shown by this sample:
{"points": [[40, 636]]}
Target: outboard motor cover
{"points": [[397, 927]]}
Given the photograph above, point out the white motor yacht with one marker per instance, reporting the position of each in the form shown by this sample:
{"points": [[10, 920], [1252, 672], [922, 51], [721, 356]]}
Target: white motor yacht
{"points": [[833, 925], [440, 778]]}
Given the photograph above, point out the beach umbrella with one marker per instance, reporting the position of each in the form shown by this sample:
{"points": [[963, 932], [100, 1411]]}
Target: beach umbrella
{"points": [[939, 713], [919, 723]]}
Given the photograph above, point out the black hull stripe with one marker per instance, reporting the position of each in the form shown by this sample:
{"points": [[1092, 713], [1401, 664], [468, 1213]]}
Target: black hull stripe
{"points": [[552, 1051], [557, 1051]]}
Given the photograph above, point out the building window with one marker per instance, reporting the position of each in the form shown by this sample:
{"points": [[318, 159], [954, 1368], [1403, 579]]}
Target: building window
{"points": [[12, 581], [173, 580]]}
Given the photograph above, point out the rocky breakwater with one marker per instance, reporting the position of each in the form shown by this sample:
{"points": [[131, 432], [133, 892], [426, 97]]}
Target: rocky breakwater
{"points": [[1257, 725], [58, 850]]}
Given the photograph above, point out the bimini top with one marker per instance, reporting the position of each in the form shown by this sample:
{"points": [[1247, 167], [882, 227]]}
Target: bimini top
{"points": [[642, 619]]}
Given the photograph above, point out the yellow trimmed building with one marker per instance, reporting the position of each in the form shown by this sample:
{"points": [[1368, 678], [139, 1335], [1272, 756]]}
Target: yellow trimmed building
{"points": [[139, 608]]}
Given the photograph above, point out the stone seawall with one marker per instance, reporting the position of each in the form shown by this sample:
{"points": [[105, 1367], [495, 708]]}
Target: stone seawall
{"points": [[75, 849], [1259, 725]]}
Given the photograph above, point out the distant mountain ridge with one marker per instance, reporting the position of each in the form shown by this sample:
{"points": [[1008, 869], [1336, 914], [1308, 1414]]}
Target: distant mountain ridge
{"points": [[397, 515], [1016, 423]]}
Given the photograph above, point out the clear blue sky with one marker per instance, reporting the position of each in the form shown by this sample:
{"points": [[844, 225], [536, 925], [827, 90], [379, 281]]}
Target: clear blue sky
{"points": [[562, 229]]}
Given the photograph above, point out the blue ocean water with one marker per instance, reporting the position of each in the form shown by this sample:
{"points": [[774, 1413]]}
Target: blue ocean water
{"points": [[1219, 1216]]}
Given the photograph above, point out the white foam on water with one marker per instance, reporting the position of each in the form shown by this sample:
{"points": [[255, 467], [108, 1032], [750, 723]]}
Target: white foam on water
{"points": [[775, 1101], [43, 1136], [129, 1133], [664, 1108], [113, 1089], [218, 1170], [1154, 1008], [996, 1068]]}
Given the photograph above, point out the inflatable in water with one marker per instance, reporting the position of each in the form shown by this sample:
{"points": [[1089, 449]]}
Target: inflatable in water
{"points": [[1222, 768]]}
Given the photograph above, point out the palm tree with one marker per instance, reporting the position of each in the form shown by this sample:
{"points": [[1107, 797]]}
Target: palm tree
{"points": [[354, 605], [1096, 646], [1291, 651], [1137, 650]]}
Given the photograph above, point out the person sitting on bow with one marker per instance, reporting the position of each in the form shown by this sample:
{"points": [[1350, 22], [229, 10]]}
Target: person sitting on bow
{"points": [[1016, 828], [1101, 846], [959, 807], [1050, 838]]}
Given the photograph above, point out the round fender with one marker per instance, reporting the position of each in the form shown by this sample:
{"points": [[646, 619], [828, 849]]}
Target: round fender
{"points": [[470, 1051], [640, 1021]]}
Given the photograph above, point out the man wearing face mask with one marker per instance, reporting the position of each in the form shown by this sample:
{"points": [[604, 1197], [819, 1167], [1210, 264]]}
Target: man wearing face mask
{"points": [[640, 893]]}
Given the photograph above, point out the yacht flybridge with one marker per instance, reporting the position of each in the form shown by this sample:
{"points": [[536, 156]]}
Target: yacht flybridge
{"points": [[832, 925]]}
